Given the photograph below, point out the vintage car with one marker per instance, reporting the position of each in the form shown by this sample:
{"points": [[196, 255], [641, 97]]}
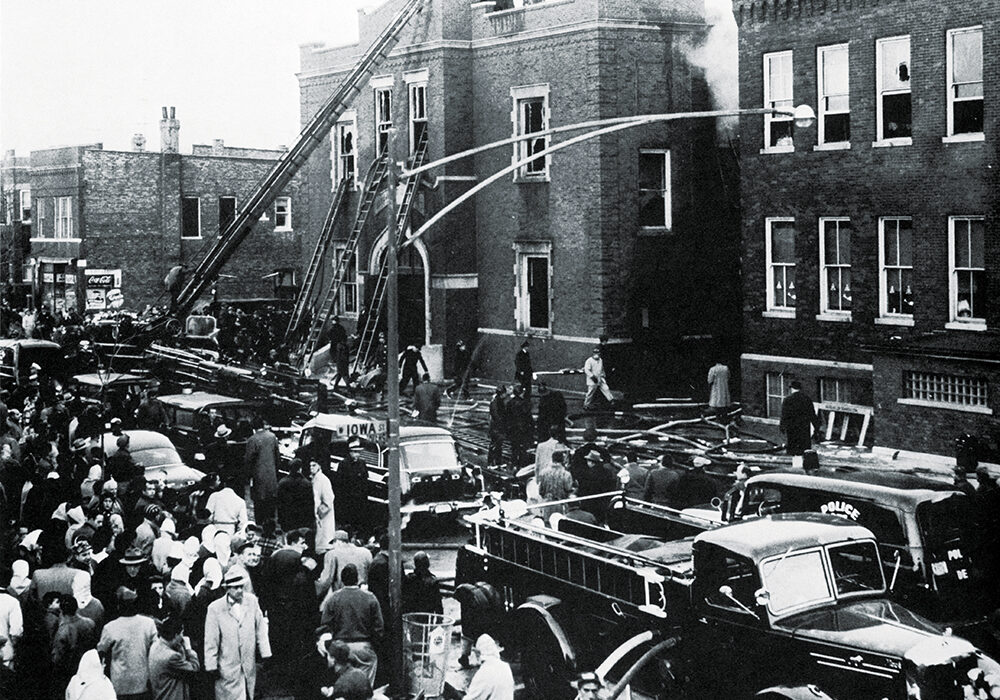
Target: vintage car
{"points": [[432, 479], [18, 354], [155, 453], [193, 417], [121, 389]]}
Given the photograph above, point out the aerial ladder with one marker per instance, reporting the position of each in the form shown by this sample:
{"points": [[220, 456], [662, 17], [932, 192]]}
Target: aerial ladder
{"points": [[374, 179], [304, 299], [373, 314], [281, 174]]}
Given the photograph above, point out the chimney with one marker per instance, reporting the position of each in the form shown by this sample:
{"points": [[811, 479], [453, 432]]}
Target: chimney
{"points": [[138, 143], [169, 132], [218, 147]]}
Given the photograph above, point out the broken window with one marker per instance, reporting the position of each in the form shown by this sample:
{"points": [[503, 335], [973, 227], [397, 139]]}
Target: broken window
{"points": [[344, 161], [418, 113], [533, 286], [895, 111], [383, 118]]}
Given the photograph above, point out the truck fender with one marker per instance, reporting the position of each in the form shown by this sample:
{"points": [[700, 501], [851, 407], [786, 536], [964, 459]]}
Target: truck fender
{"points": [[794, 692], [539, 606]]}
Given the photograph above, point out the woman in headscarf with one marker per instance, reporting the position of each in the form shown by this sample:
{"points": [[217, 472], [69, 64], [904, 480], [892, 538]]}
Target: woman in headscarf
{"points": [[87, 605], [20, 579], [90, 683]]}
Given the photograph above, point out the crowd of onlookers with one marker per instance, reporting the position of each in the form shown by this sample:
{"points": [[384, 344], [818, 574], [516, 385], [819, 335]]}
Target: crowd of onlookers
{"points": [[114, 583]]}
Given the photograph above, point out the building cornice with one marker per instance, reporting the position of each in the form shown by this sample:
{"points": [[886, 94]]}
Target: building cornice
{"points": [[759, 11], [520, 37]]}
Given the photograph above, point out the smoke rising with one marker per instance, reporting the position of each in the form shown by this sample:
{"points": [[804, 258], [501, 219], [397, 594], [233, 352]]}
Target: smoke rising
{"points": [[718, 56]]}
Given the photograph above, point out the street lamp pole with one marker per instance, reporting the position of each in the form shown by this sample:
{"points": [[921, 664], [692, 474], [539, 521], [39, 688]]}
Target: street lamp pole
{"points": [[394, 619]]}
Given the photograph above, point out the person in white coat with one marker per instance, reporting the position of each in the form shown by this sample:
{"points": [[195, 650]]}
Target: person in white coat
{"points": [[493, 680], [593, 368], [326, 524], [235, 630]]}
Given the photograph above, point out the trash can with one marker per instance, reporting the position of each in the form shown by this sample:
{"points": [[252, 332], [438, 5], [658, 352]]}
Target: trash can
{"points": [[426, 648]]}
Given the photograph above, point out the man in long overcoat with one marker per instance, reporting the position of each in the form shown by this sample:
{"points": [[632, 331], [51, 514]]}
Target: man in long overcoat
{"points": [[261, 459], [235, 630], [798, 418]]}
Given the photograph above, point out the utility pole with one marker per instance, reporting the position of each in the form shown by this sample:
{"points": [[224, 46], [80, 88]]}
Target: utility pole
{"points": [[394, 623]]}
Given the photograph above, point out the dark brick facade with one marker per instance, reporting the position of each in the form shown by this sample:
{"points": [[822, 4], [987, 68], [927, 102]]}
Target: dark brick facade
{"points": [[928, 179], [127, 216], [596, 59]]}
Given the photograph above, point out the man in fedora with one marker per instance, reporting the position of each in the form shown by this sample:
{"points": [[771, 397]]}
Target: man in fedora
{"points": [[125, 643], [235, 630], [588, 686]]}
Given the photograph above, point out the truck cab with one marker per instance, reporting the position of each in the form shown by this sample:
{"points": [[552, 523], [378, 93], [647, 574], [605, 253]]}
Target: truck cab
{"points": [[193, 417], [18, 354], [432, 479]]}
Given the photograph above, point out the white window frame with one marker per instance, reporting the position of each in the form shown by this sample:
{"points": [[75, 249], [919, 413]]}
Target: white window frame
{"points": [[772, 308], [783, 382], [841, 388], [771, 102], [519, 96], [24, 202], [823, 96], [880, 92], [416, 109], [665, 191], [885, 317], [382, 125], [949, 391], [283, 208], [952, 99], [198, 200], [956, 322], [825, 267], [522, 307], [347, 123], [64, 218], [343, 309]]}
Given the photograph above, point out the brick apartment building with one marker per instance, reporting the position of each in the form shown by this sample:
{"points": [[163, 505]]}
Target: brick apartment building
{"points": [[15, 226], [630, 237], [107, 226], [870, 239]]}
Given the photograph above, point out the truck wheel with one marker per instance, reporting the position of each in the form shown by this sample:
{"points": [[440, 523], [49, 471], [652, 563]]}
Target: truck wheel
{"points": [[548, 674]]}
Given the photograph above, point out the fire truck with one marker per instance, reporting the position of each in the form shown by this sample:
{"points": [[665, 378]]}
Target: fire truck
{"points": [[782, 606]]}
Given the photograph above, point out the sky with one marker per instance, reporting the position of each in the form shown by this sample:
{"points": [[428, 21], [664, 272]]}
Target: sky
{"points": [[98, 71]]}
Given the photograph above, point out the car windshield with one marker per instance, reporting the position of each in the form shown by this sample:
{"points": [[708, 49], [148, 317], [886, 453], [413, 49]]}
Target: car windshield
{"points": [[856, 568], [156, 457], [796, 579], [429, 456]]}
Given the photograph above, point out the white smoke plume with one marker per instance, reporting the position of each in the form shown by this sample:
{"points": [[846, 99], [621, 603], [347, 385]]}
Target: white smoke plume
{"points": [[718, 56]]}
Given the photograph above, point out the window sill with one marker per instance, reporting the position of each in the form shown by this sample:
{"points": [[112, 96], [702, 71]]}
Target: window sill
{"points": [[283, 229], [838, 146], [983, 410], [777, 149], [56, 240], [654, 230], [530, 179], [535, 332], [191, 238], [964, 138], [889, 143], [977, 325], [779, 313], [837, 317], [894, 321]]}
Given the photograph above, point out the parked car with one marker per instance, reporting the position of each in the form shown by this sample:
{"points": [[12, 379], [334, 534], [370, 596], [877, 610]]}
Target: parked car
{"points": [[119, 389], [154, 452], [192, 418]]}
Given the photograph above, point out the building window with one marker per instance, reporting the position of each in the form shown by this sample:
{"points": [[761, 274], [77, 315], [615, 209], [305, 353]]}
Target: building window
{"points": [[965, 81], [834, 94], [833, 390], [418, 112], [190, 217], [894, 110], [64, 217], [347, 300], [654, 189], [778, 95], [780, 264], [835, 265], [534, 276], [531, 115], [966, 241], [383, 118], [25, 201], [896, 262], [227, 212], [776, 388], [945, 389], [283, 214], [345, 164]]}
